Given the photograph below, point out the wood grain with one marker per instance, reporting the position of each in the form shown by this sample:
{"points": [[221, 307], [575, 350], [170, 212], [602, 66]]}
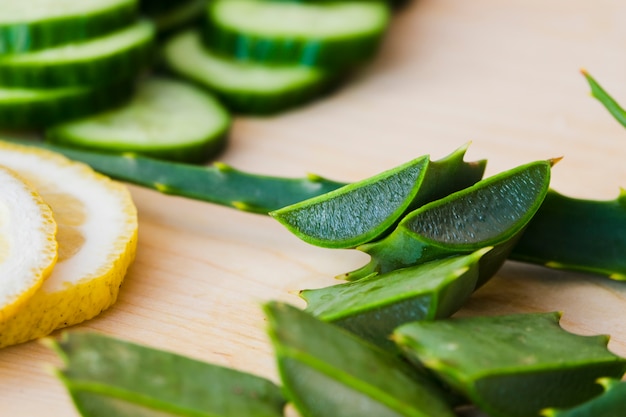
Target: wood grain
{"points": [[503, 75]]}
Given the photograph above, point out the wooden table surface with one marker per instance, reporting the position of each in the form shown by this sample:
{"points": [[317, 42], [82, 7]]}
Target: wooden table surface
{"points": [[503, 75]]}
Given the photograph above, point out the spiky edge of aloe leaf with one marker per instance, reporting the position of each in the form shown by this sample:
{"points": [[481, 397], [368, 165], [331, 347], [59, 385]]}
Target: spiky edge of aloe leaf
{"points": [[603, 97], [117, 374], [611, 403], [219, 184], [578, 235]]}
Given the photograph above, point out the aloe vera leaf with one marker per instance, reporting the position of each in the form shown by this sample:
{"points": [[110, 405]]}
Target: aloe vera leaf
{"points": [[363, 211], [577, 234], [492, 212], [514, 365], [220, 184], [603, 97], [109, 377], [611, 403], [327, 371], [374, 306]]}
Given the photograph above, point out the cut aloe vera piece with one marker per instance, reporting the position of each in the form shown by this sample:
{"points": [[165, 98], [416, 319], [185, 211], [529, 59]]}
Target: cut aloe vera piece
{"points": [[40, 108], [374, 306], [365, 210], [245, 87], [327, 371], [219, 184], [493, 212], [513, 365], [577, 234], [103, 60], [109, 377], [38, 24], [611, 403], [166, 119], [330, 34]]}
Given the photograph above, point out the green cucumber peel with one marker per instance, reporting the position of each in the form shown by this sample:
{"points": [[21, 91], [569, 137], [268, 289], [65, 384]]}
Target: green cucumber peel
{"points": [[35, 25], [611, 403], [492, 212], [366, 210], [514, 365], [219, 184], [374, 306], [110, 377], [334, 35], [605, 98], [120, 55], [577, 234], [327, 371]]}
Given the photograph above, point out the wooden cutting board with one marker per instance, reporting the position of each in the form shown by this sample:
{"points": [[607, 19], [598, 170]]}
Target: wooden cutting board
{"points": [[503, 75]]}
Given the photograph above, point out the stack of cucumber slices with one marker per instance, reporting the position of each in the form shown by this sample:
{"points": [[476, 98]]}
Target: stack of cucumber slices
{"points": [[62, 59], [87, 73]]}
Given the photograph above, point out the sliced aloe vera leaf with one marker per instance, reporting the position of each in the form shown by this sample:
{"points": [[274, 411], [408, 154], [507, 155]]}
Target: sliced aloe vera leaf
{"points": [[603, 97], [326, 34], [220, 184], [166, 119], [111, 377], [327, 371], [374, 306], [244, 86], [577, 234], [611, 403], [365, 210], [38, 24], [120, 55], [514, 365], [492, 212]]}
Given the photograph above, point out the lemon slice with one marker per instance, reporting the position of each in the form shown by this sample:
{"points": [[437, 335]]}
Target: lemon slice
{"points": [[97, 238], [28, 248]]}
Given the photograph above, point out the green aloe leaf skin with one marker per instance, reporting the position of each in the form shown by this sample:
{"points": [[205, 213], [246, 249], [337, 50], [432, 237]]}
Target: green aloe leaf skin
{"points": [[220, 184], [577, 234], [109, 377], [514, 365], [492, 212], [374, 306], [611, 403], [365, 210], [603, 97], [327, 371]]}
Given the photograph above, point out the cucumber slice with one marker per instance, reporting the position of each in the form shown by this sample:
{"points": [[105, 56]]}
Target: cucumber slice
{"points": [[120, 55], [334, 34], [28, 25], [245, 87], [165, 119], [34, 109]]}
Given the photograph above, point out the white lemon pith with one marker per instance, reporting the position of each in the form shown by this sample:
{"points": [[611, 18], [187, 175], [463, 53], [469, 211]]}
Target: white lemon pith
{"points": [[28, 248], [97, 240]]}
